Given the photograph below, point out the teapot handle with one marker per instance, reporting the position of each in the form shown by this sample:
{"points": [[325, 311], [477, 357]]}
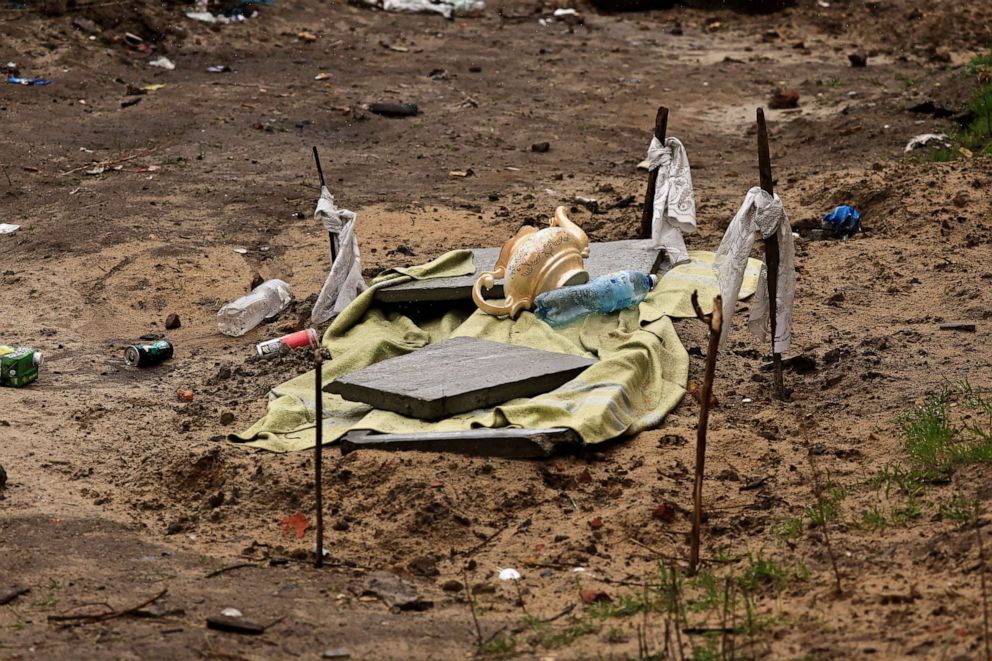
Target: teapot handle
{"points": [[487, 280]]}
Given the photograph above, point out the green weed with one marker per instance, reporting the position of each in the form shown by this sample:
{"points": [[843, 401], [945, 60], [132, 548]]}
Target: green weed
{"points": [[498, 646], [789, 530], [874, 519]]}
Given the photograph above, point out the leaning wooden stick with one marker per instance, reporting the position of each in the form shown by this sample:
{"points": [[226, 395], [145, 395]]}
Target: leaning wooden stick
{"points": [[323, 184], [714, 322], [318, 453], [647, 214], [771, 250]]}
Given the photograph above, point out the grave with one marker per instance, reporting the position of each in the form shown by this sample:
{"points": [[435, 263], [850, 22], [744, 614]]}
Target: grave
{"points": [[606, 257], [457, 375]]}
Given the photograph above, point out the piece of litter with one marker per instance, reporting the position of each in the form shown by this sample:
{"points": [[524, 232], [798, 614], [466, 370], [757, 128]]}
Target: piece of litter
{"points": [[565, 12], [746, 400], [926, 139], [152, 88], [959, 326], [337, 653], [96, 170], [322, 76], [29, 80], [219, 68], [509, 574], [326, 552], [7, 228], [461, 173], [163, 63], [240, 251], [231, 612], [578, 570]]}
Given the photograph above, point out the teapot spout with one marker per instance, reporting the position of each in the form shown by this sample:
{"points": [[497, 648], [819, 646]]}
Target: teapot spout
{"points": [[581, 240]]}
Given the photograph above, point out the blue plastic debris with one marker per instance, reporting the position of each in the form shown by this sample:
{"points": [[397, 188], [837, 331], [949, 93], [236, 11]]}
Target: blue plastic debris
{"points": [[843, 221], [30, 80]]}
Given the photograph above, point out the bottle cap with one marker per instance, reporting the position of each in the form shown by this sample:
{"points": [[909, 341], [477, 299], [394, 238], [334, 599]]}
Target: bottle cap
{"points": [[654, 280], [37, 359]]}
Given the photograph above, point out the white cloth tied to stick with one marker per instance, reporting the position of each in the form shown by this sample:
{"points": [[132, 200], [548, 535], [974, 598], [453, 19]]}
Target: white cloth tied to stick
{"points": [[762, 215], [674, 209], [344, 283]]}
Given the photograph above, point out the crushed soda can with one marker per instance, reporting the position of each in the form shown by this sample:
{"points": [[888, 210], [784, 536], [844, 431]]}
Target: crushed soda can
{"points": [[145, 355], [19, 365], [304, 339]]}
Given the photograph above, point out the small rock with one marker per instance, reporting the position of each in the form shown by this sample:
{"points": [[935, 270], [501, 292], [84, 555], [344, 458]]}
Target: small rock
{"points": [[340, 525], [858, 60], [172, 322], [541, 147], [215, 500], [256, 280], [395, 592], [3, 478], [226, 418], [452, 585], [781, 99], [224, 373], [394, 109], [423, 566], [86, 25]]}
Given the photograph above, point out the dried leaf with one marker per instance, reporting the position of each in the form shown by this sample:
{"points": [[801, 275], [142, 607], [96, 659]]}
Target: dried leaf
{"points": [[697, 394], [591, 596], [664, 512], [297, 522]]}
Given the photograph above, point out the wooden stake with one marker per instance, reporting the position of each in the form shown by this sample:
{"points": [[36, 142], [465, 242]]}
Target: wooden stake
{"points": [[660, 132], [320, 173], [771, 252], [714, 322], [318, 448]]}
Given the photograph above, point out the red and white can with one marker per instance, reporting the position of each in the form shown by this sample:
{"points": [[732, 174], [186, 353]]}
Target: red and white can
{"points": [[304, 339]]}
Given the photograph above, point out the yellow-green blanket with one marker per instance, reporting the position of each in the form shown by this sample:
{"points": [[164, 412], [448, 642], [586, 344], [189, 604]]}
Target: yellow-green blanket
{"points": [[639, 378]]}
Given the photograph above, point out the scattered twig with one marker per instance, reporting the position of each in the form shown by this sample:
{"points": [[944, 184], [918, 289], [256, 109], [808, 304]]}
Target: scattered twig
{"points": [[224, 570], [74, 620], [818, 489], [985, 591], [714, 322], [471, 606], [117, 161]]}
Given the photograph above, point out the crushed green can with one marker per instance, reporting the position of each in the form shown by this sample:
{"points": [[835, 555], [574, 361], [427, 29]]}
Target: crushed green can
{"points": [[18, 365]]}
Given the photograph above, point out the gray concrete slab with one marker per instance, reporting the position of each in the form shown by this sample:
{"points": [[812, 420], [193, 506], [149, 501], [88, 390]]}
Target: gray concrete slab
{"points": [[457, 375], [606, 257], [501, 442]]}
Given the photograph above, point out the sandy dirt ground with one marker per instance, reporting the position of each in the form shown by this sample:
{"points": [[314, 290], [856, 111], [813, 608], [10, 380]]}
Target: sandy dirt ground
{"points": [[117, 490]]}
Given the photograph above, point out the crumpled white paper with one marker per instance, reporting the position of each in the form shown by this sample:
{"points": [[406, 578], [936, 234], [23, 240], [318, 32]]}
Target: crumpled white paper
{"points": [[674, 207], [344, 283], [761, 215], [446, 8]]}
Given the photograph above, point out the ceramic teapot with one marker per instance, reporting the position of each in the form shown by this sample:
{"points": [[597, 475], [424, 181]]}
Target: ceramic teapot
{"points": [[535, 261]]}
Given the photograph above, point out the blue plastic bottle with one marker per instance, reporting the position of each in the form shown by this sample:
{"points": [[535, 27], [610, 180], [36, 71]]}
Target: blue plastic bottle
{"points": [[605, 294]]}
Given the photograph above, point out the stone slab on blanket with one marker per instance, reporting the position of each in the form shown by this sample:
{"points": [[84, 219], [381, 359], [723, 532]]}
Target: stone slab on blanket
{"points": [[457, 375]]}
